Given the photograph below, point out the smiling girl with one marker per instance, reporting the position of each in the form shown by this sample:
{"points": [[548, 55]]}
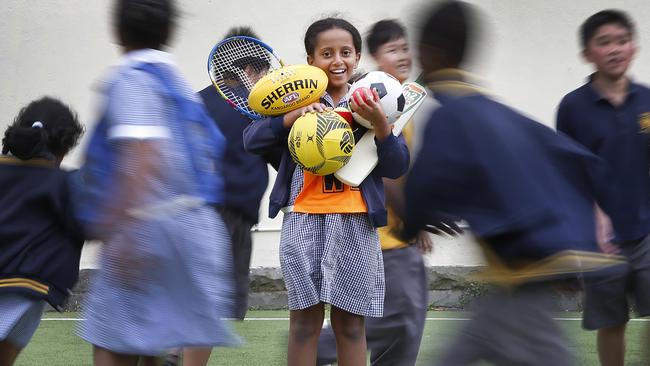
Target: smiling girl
{"points": [[329, 249]]}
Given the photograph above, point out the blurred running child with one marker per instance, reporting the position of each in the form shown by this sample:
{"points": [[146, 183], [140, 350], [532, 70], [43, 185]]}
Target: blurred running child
{"points": [[40, 242], [526, 192], [152, 172], [329, 248]]}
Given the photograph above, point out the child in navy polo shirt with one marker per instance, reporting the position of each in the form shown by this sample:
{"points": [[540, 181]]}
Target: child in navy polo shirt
{"points": [[610, 115], [246, 180]]}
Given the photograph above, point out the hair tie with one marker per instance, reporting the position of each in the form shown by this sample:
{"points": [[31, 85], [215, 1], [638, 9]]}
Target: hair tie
{"points": [[37, 124]]}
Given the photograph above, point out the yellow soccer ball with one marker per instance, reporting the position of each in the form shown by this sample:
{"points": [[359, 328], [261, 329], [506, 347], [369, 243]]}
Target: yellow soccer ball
{"points": [[321, 143]]}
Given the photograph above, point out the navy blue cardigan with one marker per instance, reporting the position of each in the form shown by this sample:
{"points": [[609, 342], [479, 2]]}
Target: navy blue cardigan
{"points": [[269, 134], [522, 187], [40, 242]]}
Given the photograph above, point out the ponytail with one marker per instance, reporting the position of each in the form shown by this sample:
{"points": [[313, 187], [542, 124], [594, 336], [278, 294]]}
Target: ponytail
{"points": [[45, 128], [26, 142]]}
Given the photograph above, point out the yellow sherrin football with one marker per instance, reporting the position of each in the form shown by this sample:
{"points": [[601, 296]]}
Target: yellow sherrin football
{"points": [[287, 88]]}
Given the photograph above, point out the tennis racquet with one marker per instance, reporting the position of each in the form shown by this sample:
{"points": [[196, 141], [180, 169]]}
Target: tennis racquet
{"points": [[236, 64]]}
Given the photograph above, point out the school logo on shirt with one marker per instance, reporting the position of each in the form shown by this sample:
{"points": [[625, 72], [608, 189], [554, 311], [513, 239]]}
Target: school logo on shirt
{"points": [[644, 122]]}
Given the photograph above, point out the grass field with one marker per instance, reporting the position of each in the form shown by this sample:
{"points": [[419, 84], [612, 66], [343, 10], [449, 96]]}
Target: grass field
{"points": [[55, 342]]}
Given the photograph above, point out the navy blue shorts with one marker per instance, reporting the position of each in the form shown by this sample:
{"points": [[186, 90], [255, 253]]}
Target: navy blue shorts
{"points": [[608, 291]]}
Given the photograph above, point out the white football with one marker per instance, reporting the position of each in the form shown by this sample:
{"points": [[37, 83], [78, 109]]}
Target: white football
{"points": [[390, 93]]}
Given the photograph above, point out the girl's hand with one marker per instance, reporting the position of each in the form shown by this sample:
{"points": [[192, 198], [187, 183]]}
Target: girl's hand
{"points": [[292, 116], [367, 106]]}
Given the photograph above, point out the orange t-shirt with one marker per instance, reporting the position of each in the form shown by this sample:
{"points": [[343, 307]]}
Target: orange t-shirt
{"points": [[326, 194]]}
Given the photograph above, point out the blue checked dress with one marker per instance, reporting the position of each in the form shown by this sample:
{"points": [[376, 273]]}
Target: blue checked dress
{"points": [[20, 318], [331, 258], [165, 279]]}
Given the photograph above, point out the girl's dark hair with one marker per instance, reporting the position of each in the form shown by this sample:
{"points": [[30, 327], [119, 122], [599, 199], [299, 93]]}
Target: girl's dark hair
{"points": [[144, 23], [43, 128], [610, 16], [383, 32], [320, 26], [450, 27]]}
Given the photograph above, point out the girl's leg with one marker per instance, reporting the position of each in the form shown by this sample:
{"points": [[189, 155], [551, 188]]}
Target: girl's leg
{"points": [[304, 329], [611, 345], [350, 333], [104, 357], [8, 353], [196, 356]]}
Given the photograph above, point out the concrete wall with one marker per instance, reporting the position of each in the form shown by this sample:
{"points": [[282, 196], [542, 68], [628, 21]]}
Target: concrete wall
{"points": [[529, 58]]}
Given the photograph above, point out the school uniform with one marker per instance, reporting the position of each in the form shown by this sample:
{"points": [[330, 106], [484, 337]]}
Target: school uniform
{"points": [[527, 194], [329, 252], [619, 135], [393, 339], [40, 244], [246, 178], [165, 277]]}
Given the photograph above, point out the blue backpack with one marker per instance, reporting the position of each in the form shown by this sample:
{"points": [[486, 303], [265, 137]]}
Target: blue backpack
{"points": [[202, 138]]}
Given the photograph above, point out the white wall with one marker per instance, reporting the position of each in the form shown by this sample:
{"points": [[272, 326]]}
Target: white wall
{"points": [[529, 58]]}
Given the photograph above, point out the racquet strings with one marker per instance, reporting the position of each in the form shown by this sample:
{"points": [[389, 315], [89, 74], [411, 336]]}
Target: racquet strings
{"points": [[236, 65]]}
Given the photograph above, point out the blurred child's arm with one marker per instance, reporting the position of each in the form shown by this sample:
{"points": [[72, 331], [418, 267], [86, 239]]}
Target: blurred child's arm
{"points": [[136, 167], [426, 181]]}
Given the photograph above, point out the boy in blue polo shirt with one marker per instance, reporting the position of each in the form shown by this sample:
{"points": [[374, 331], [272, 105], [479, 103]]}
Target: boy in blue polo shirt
{"points": [[610, 115]]}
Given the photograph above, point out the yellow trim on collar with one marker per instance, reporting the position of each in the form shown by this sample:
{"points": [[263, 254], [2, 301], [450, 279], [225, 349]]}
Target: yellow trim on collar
{"points": [[453, 81]]}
